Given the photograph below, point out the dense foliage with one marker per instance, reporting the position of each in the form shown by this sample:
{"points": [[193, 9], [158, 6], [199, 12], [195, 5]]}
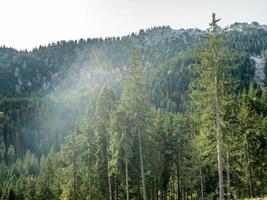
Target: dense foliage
{"points": [[135, 117]]}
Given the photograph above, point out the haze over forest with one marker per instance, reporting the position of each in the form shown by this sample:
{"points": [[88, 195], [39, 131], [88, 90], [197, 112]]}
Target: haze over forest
{"points": [[158, 114]]}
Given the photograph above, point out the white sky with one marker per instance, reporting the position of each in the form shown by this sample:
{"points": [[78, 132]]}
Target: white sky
{"points": [[29, 23]]}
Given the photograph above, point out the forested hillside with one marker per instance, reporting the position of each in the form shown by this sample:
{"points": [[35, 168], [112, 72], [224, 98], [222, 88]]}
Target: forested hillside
{"points": [[159, 114]]}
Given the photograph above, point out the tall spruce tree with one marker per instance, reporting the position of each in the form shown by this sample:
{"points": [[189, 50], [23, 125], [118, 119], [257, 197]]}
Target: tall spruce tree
{"points": [[104, 107], [136, 105], [121, 143], [210, 93]]}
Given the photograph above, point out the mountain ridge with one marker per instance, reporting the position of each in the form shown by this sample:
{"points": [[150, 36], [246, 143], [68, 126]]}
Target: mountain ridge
{"points": [[39, 71], [234, 26]]}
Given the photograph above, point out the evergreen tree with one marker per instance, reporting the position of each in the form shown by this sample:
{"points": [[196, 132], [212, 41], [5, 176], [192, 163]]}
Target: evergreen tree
{"points": [[104, 106], [2, 149], [211, 91], [11, 155], [136, 105], [121, 143], [45, 180]]}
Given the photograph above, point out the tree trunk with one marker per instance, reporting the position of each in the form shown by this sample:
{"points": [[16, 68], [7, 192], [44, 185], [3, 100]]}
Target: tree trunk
{"points": [[179, 195], [116, 189], [127, 180], [173, 191], [249, 170], [154, 189], [182, 191], [161, 185], [218, 129], [109, 184], [90, 168], [217, 107], [157, 189], [218, 145], [201, 183], [262, 182], [139, 197], [142, 165], [185, 192], [74, 169], [228, 176]]}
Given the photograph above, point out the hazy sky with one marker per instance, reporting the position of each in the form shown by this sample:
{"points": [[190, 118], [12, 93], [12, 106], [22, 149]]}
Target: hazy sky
{"points": [[29, 23]]}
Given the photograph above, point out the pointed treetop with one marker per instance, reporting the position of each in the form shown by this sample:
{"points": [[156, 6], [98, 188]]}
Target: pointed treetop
{"points": [[213, 24]]}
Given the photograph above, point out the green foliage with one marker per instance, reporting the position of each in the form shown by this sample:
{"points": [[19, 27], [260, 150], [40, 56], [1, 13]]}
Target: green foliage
{"points": [[11, 155], [78, 146], [265, 65], [2, 149]]}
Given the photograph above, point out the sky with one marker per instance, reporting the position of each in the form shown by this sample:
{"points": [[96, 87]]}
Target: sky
{"points": [[25, 24]]}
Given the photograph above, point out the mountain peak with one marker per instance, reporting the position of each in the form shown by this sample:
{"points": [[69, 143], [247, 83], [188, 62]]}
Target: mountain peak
{"points": [[243, 26]]}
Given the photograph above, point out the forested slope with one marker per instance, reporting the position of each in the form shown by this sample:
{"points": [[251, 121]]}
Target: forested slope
{"points": [[133, 117]]}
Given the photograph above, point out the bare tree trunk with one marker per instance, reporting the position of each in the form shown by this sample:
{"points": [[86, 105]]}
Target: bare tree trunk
{"points": [[139, 189], [74, 169], [218, 137], [217, 107], [249, 171], [116, 189], [109, 184], [157, 189], [182, 191], [173, 190], [228, 176], [161, 185], [262, 180], [90, 168], [127, 181], [154, 189], [185, 192], [142, 165], [177, 181], [201, 183], [179, 195]]}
